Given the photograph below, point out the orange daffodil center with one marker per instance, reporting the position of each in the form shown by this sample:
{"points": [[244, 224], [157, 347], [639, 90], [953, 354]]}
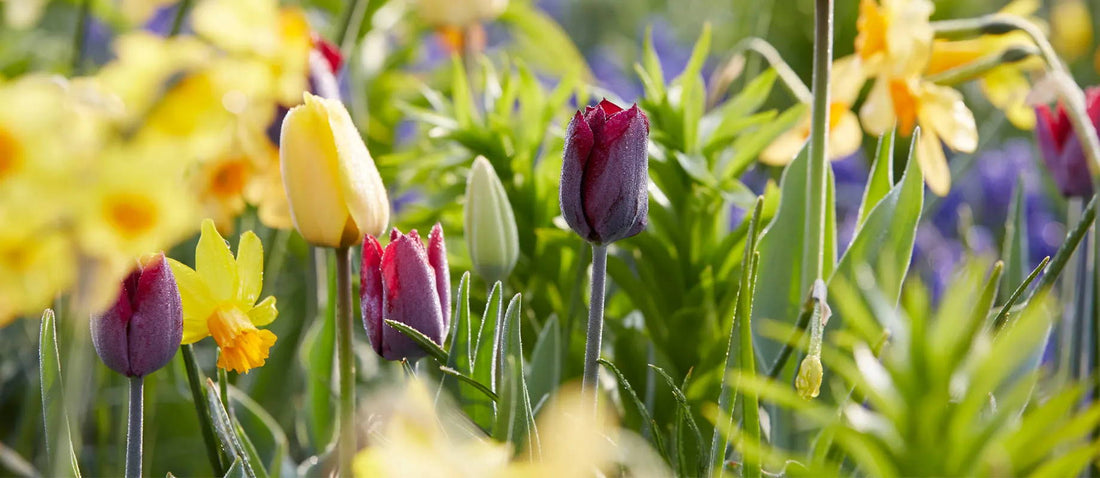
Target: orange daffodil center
{"points": [[219, 299]]}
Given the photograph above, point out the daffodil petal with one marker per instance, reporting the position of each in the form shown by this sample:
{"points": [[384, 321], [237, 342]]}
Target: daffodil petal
{"points": [[215, 264], [944, 114], [196, 300], [785, 147], [250, 267], [933, 163], [846, 137], [1007, 89], [264, 313], [877, 112], [848, 78]]}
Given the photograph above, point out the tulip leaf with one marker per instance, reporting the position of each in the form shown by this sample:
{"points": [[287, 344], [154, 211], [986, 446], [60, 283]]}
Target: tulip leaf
{"points": [[427, 345], [624, 384], [59, 445], [317, 352], [250, 450], [1014, 251], [533, 31], [450, 372], [460, 354], [195, 381], [236, 470], [483, 412], [544, 372], [683, 414], [227, 433], [653, 78], [515, 421], [749, 145], [257, 419], [881, 178], [464, 110], [1002, 316]]}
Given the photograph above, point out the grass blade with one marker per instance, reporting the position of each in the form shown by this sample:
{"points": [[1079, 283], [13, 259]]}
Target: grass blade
{"points": [[433, 349]]}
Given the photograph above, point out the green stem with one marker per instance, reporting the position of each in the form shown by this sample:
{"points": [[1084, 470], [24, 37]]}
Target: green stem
{"points": [[788, 347], [786, 74], [177, 21], [134, 425], [819, 133], [981, 66], [223, 387], [206, 422], [590, 384], [78, 36], [349, 25], [346, 361]]}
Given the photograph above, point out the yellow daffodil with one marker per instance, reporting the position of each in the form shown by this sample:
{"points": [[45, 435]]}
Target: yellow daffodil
{"points": [[940, 113], [35, 265], [221, 184], [219, 299], [336, 195], [894, 36], [845, 135], [1071, 28]]}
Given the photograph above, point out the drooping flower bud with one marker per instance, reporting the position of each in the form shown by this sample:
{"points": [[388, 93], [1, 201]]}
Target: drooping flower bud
{"points": [[604, 173], [491, 234], [1061, 149], [808, 381], [405, 283], [336, 195], [141, 332]]}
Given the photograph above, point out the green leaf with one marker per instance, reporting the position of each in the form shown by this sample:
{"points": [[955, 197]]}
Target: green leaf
{"points": [[881, 179], [1065, 251], [1002, 316], [542, 42], [653, 78], [256, 419], [655, 431], [480, 387], [544, 372], [427, 345], [464, 110], [692, 90], [460, 353], [486, 359], [195, 381], [250, 450], [748, 146], [227, 433], [684, 411], [59, 445], [236, 470], [1015, 248], [317, 354], [515, 421]]}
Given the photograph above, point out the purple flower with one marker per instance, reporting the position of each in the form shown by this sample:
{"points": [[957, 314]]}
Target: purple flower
{"points": [[1061, 149], [405, 283], [604, 173], [142, 330]]}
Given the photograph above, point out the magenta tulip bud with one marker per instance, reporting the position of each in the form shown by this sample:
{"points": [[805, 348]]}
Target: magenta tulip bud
{"points": [[1061, 149], [604, 173], [141, 332], [405, 283]]}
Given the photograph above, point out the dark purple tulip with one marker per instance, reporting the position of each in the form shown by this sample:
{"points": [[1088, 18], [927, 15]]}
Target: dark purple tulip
{"points": [[1062, 150], [141, 332], [405, 283], [604, 173]]}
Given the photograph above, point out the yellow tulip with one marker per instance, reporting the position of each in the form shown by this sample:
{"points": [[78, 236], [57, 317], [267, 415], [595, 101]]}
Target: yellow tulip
{"points": [[336, 195]]}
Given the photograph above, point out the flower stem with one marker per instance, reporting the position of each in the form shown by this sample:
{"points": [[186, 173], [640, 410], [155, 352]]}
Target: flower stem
{"points": [[347, 365], [819, 132], [595, 323], [223, 387], [206, 422], [79, 34], [133, 434], [177, 21], [349, 25]]}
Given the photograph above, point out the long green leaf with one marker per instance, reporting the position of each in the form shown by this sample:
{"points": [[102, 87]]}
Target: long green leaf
{"points": [[684, 409], [515, 421], [881, 179], [544, 372], [460, 352], [317, 354], [1014, 251], [236, 470], [227, 433], [465, 379], [195, 381], [59, 445], [256, 419], [427, 345], [486, 359], [638, 404]]}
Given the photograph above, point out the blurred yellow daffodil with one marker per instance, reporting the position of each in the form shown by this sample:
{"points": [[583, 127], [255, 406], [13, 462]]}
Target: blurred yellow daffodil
{"points": [[845, 135], [335, 192], [1071, 28], [219, 299], [940, 113], [894, 36]]}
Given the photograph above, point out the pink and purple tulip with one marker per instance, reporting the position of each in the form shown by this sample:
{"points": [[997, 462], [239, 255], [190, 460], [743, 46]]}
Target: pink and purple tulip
{"points": [[1062, 150], [406, 283]]}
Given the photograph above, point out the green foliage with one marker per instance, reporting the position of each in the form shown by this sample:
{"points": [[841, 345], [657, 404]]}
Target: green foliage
{"points": [[58, 439]]}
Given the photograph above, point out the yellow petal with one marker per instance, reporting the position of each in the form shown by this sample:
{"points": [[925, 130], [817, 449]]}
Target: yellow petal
{"points": [[215, 264], [785, 147], [1071, 28], [845, 137], [848, 78], [359, 179], [250, 267], [196, 300], [308, 160], [934, 164], [944, 114], [877, 112], [1007, 89], [264, 313]]}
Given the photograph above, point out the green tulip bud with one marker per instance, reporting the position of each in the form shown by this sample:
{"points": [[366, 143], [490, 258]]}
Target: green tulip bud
{"points": [[491, 235]]}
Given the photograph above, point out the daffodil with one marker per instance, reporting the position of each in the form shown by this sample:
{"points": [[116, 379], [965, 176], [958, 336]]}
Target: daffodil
{"points": [[845, 135], [940, 113], [894, 36], [1071, 28], [221, 184], [219, 299]]}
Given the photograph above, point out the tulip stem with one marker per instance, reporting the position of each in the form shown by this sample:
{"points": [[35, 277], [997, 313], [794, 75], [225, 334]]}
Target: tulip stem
{"points": [[347, 365], [819, 131], [595, 323], [133, 434]]}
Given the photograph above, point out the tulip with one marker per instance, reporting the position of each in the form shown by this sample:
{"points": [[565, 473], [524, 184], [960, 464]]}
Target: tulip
{"points": [[141, 332], [407, 284], [1062, 150], [335, 193], [491, 235], [604, 173]]}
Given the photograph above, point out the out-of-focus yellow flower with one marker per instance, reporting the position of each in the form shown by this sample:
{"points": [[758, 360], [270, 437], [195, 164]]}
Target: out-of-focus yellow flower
{"points": [[36, 263], [894, 36], [940, 113], [219, 299], [459, 13], [20, 14], [1071, 28], [221, 184], [139, 11], [336, 195], [845, 135]]}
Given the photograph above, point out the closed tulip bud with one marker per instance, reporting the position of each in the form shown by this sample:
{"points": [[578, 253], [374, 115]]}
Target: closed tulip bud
{"points": [[141, 332], [491, 234], [335, 193], [604, 173], [1061, 149], [408, 284]]}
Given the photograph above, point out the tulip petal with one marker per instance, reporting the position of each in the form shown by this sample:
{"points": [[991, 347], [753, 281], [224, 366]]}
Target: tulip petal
{"points": [[1076, 179], [215, 264], [437, 258], [250, 268], [370, 291], [196, 299], [109, 329], [410, 297], [616, 176], [933, 163], [308, 157], [360, 183], [578, 146], [263, 313], [156, 329]]}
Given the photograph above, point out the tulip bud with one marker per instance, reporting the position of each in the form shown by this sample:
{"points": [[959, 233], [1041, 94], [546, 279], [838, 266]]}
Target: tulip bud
{"points": [[407, 284], [1062, 150], [604, 173], [491, 235], [336, 195], [142, 330]]}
